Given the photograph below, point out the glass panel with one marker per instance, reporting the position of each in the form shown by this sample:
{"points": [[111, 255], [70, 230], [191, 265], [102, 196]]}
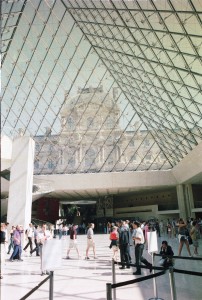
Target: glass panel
{"points": [[109, 85]]}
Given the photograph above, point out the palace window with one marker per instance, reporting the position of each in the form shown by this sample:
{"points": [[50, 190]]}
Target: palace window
{"points": [[36, 164], [90, 122], [109, 122], [71, 162], [90, 157], [50, 164], [131, 143], [70, 122], [146, 142], [134, 157]]}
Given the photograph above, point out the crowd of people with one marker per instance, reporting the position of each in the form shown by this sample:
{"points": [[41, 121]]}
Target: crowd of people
{"points": [[121, 235]]}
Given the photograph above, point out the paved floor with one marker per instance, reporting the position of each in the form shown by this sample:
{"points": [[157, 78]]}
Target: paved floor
{"points": [[79, 279]]}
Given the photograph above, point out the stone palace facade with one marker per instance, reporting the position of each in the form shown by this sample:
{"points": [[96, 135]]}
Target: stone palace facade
{"points": [[92, 140]]}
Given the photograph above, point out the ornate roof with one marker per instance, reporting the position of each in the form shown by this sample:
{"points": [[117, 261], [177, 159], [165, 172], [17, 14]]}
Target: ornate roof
{"points": [[89, 97]]}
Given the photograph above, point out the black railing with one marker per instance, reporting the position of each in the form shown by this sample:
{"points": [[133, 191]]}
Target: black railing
{"points": [[112, 286], [40, 284]]}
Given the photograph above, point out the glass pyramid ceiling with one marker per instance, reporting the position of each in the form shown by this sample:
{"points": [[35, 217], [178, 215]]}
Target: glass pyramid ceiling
{"points": [[64, 62]]}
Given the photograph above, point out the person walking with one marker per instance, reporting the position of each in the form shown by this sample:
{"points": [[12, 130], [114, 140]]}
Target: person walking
{"points": [[138, 238], [7, 236], [3, 248], [146, 230], [17, 240], [30, 235], [36, 228], [182, 236], [60, 226], [43, 236], [114, 237], [158, 228], [194, 235], [11, 244], [124, 245], [90, 240], [73, 240], [169, 229]]}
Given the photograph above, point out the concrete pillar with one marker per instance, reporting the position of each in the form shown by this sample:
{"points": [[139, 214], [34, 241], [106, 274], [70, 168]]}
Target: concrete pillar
{"points": [[21, 182], [181, 201], [189, 200]]}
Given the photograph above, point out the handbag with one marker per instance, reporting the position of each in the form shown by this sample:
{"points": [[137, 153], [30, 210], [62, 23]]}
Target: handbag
{"points": [[189, 240]]}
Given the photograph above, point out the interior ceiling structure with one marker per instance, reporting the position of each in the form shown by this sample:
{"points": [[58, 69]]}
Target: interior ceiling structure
{"points": [[150, 50]]}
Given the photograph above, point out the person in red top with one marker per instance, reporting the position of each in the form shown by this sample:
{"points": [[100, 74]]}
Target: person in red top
{"points": [[114, 237]]}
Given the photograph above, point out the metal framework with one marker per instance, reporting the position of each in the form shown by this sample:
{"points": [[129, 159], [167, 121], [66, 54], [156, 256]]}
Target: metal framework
{"points": [[151, 51]]}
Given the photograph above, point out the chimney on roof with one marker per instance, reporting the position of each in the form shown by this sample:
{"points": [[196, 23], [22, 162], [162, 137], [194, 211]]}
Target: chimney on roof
{"points": [[21, 132], [48, 131]]}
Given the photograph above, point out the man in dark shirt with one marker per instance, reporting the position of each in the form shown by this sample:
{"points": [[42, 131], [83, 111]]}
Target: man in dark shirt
{"points": [[73, 240], [167, 253], [124, 245]]}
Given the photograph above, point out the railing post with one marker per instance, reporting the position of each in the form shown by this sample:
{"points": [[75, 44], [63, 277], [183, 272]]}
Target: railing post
{"points": [[109, 291], [51, 286], [113, 279], [172, 284], [154, 278]]}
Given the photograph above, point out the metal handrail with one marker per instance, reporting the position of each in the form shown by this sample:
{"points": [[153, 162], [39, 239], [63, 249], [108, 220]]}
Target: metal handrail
{"points": [[40, 284]]}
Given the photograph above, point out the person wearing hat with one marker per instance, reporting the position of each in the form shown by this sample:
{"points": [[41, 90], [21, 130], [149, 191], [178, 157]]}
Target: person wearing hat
{"points": [[138, 238]]}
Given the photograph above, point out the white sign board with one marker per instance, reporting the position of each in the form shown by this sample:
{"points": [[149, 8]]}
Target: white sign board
{"points": [[152, 241], [52, 254]]}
